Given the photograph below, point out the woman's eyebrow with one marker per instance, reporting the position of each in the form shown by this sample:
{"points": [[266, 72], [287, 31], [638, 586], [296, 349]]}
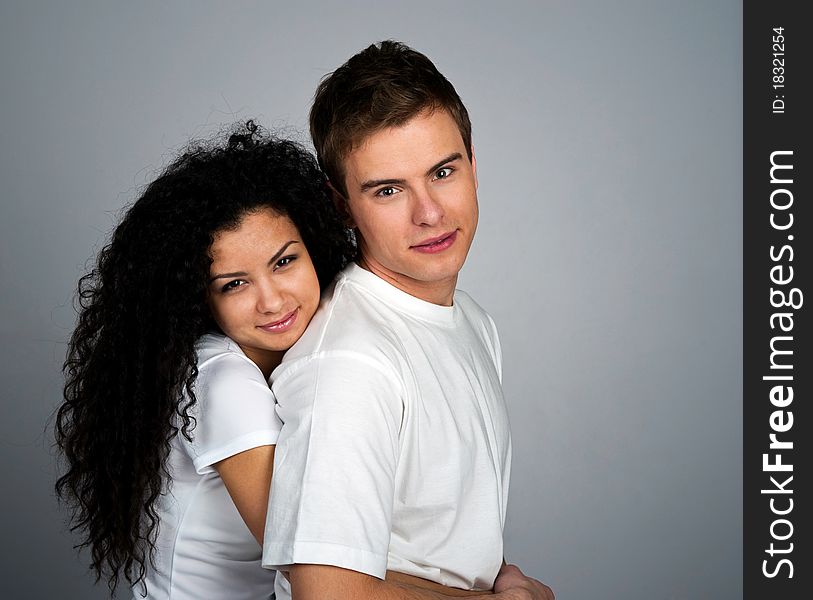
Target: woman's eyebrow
{"points": [[271, 261]]}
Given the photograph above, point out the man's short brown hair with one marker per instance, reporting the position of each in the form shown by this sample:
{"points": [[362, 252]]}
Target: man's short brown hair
{"points": [[384, 85]]}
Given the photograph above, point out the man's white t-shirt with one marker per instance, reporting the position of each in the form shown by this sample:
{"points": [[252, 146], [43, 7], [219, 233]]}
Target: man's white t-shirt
{"points": [[204, 548], [395, 451]]}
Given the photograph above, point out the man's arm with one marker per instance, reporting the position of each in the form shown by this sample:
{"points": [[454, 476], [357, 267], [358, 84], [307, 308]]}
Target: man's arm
{"points": [[322, 582], [410, 582], [334, 486]]}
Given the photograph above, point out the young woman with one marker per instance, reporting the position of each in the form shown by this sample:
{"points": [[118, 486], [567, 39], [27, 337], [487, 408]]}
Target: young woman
{"points": [[168, 424]]}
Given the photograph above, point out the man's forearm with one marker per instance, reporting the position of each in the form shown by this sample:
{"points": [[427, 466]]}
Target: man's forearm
{"points": [[403, 591], [410, 582], [322, 582]]}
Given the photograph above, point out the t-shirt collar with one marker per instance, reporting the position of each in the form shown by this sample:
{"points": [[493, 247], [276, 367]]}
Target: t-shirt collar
{"points": [[399, 299]]}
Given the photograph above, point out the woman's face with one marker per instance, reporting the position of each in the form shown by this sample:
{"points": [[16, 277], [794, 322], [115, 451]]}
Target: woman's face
{"points": [[263, 288]]}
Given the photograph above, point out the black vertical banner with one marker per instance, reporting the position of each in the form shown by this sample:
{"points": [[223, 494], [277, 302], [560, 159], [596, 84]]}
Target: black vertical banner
{"points": [[778, 545]]}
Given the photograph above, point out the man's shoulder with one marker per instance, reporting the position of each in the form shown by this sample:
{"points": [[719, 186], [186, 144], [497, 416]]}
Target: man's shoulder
{"points": [[348, 319], [472, 311], [469, 305]]}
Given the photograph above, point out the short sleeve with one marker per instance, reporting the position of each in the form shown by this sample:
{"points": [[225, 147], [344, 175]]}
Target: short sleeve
{"points": [[495, 345], [334, 474], [234, 411]]}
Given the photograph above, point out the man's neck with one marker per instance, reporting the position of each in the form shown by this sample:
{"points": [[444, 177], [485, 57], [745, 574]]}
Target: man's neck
{"points": [[436, 292]]}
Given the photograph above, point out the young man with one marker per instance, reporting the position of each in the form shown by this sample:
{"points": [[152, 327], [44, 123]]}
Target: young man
{"points": [[395, 454]]}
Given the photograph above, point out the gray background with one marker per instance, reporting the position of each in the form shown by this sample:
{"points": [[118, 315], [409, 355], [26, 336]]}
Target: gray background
{"points": [[608, 138]]}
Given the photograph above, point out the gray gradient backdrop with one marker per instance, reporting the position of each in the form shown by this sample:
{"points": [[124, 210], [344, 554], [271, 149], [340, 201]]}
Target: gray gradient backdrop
{"points": [[608, 138]]}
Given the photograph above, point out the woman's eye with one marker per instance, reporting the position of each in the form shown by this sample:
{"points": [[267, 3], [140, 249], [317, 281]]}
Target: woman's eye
{"points": [[233, 285], [443, 173], [285, 261]]}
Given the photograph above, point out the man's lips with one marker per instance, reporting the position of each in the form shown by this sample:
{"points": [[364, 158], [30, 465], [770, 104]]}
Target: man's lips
{"points": [[281, 325], [436, 244]]}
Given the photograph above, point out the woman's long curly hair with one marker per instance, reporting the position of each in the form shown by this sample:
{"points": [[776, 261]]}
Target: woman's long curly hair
{"points": [[131, 361]]}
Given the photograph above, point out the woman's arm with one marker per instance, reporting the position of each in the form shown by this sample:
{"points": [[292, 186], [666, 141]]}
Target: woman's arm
{"points": [[247, 477]]}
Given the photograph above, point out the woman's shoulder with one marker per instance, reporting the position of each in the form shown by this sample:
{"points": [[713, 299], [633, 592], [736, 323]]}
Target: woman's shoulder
{"points": [[218, 353], [213, 343]]}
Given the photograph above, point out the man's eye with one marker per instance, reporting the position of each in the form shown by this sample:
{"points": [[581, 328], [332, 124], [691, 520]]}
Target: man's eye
{"points": [[443, 173], [385, 192], [233, 285]]}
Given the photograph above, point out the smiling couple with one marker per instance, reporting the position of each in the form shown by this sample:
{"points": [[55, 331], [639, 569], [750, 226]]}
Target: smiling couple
{"points": [[391, 465]]}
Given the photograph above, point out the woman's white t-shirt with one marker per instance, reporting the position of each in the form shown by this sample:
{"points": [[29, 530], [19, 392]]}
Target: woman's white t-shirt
{"points": [[204, 548]]}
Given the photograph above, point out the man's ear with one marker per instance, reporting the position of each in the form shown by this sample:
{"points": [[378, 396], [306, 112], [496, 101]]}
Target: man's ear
{"points": [[341, 206], [474, 166]]}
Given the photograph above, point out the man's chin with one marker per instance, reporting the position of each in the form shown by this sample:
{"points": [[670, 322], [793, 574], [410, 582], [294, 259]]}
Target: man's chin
{"points": [[424, 273], [438, 277]]}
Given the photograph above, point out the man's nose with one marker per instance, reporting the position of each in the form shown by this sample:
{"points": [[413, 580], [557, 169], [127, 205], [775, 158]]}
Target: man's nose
{"points": [[427, 209]]}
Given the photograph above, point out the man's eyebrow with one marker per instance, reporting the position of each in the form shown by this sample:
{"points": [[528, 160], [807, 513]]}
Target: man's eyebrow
{"points": [[271, 261], [448, 159], [371, 183]]}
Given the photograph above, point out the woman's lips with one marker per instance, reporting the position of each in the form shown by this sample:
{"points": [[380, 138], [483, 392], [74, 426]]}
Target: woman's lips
{"points": [[284, 324], [436, 244]]}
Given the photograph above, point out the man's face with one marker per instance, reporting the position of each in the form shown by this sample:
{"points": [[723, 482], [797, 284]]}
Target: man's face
{"points": [[412, 196]]}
